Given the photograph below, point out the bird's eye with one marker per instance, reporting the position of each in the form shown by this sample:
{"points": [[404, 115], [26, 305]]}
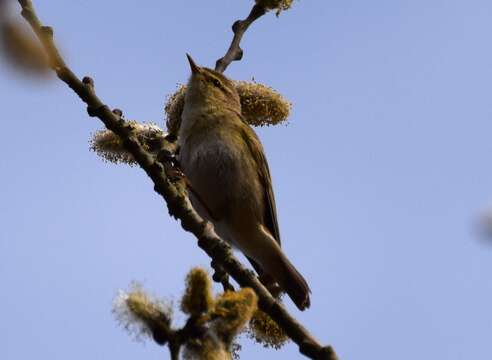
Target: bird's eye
{"points": [[216, 82]]}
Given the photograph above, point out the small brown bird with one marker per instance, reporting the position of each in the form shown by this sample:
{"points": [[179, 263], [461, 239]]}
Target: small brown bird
{"points": [[223, 159]]}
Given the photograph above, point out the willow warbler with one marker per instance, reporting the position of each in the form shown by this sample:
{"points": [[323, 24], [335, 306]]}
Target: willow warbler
{"points": [[223, 159]]}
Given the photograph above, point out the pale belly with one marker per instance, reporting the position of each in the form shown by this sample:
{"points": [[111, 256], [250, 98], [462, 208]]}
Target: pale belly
{"points": [[224, 177]]}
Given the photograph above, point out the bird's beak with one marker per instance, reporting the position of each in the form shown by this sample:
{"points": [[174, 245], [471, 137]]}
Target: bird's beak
{"points": [[194, 67]]}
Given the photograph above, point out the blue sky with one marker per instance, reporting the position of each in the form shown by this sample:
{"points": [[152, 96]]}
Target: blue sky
{"points": [[380, 175]]}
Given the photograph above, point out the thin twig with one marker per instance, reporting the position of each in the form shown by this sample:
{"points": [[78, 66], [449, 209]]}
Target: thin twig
{"points": [[163, 334], [174, 349], [239, 28], [220, 276], [178, 203]]}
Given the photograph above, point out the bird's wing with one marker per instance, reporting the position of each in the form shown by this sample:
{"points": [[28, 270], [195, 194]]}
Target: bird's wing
{"points": [[256, 149]]}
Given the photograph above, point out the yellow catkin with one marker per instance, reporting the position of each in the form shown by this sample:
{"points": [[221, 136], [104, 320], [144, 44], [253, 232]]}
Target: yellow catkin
{"points": [[262, 105], [139, 313], [280, 5], [198, 298], [265, 331], [142, 306], [232, 311], [174, 108], [109, 146]]}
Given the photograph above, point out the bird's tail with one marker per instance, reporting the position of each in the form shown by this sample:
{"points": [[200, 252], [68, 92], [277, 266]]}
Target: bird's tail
{"points": [[293, 283], [265, 253]]}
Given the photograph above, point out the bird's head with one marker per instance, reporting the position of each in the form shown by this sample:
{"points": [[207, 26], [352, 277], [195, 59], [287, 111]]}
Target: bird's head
{"points": [[209, 87]]}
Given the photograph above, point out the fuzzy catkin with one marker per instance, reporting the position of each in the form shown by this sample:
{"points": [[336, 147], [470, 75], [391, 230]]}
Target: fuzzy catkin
{"points": [[233, 310], [264, 330], [138, 312], [280, 5], [109, 146], [198, 297]]}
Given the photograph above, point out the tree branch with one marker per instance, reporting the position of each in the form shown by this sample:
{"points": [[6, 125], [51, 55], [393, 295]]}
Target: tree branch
{"points": [[163, 334], [239, 28], [178, 203], [220, 276]]}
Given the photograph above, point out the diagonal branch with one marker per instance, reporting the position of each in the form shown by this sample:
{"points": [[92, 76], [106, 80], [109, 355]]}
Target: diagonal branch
{"points": [[178, 204], [239, 28]]}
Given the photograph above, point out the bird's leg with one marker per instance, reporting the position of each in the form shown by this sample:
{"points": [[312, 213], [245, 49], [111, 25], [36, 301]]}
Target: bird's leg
{"points": [[271, 285], [267, 280], [167, 156]]}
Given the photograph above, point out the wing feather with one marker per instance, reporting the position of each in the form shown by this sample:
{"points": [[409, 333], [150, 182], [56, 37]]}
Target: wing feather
{"points": [[257, 153]]}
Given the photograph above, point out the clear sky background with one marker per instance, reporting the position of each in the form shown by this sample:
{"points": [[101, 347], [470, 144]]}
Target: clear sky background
{"points": [[380, 175]]}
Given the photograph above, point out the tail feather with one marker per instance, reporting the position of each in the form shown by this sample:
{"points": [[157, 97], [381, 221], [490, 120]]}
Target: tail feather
{"points": [[294, 284], [265, 253]]}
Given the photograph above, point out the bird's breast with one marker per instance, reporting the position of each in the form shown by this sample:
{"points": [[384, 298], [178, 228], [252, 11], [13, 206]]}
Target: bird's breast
{"points": [[220, 173], [209, 156]]}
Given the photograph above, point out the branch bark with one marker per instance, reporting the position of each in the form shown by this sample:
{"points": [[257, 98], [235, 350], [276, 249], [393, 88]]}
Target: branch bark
{"points": [[178, 204], [175, 339], [239, 28]]}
